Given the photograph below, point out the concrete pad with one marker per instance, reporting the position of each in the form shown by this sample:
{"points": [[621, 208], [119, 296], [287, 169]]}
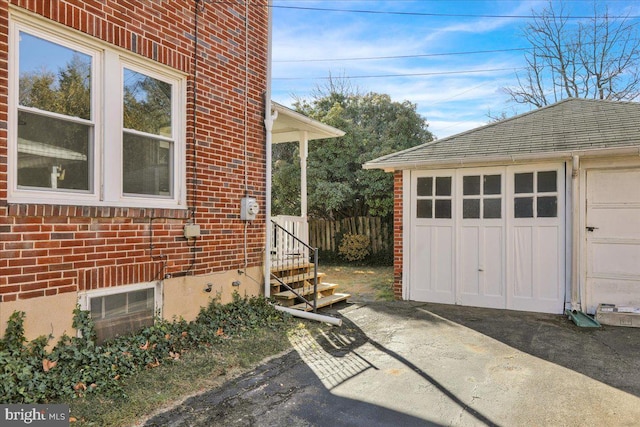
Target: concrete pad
{"points": [[406, 363], [447, 373]]}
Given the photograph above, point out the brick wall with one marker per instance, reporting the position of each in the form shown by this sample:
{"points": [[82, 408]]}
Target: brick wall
{"points": [[397, 234], [51, 249]]}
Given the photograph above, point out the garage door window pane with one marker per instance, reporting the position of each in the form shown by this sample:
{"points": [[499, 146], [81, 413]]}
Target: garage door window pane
{"points": [[479, 196], [541, 189], [524, 182], [433, 197], [425, 186], [547, 207], [492, 208], [523, 207], [547, 182], [425, 209], [443, 208], [471, 185], [443, 186], [471, 208], [492, 184]]}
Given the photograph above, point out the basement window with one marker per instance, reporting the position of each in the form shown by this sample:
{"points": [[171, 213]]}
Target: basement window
{"points": [[122, 310]]}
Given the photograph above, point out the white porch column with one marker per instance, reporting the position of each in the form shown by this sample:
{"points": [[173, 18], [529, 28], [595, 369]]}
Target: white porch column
{"points": [[304, 152]]}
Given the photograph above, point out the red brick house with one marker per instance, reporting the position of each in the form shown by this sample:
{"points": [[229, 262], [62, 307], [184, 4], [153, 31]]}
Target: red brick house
{"points": [[130, 133]]}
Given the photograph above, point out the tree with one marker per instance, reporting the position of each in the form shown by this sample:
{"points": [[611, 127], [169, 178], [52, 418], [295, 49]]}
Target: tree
{"points": [[374, 126], [595, 58]]}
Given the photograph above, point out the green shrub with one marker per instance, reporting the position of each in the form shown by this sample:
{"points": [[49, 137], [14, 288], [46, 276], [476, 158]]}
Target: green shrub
{"points": [[21, 376], [354, 247], [77, 366]]}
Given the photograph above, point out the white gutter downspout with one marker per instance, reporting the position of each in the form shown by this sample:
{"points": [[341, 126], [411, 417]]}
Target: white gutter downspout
{"points": [[311, 316], [268, 123], [575, 232], [304, 154]]}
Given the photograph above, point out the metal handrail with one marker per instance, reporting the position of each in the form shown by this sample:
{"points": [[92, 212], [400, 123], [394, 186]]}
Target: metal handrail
{"points": [[312, 253]]}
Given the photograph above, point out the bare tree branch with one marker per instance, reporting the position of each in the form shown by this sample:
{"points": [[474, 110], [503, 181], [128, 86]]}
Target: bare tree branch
{"points": [[598, 58]]}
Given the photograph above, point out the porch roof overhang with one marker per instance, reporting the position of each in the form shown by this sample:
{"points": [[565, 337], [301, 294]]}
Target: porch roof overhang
{"points": [[289, 125]]}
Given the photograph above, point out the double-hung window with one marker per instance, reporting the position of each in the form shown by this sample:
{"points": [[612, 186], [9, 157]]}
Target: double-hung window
{"points": [[91, 124]]}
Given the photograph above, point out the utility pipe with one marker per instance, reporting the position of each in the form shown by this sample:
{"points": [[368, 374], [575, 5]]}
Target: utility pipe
{"points": [[575, 232], [309, 315], [268, 122], [304, 154]]}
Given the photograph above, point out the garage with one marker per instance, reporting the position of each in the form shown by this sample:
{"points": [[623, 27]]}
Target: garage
{"points": [[539, 212], [489, 237]]}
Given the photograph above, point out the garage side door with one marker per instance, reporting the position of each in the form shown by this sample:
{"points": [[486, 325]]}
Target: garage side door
{"points": [[613, 238]]}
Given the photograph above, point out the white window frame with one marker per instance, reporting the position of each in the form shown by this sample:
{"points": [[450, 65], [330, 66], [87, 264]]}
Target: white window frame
{"points": [[106, 171], [84, 298]]}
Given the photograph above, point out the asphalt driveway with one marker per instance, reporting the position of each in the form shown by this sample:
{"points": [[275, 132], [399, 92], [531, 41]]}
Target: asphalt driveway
{"points": [[417, 364]]}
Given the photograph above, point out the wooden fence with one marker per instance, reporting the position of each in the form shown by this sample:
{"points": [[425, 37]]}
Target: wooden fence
{"points": [[324, 234]]}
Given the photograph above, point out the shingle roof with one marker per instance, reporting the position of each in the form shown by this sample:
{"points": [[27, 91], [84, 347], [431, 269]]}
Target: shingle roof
{"points": [[574, 125]]}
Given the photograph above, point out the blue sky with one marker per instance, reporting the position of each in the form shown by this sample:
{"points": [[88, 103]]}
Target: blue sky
{"points": [[454, 68]]}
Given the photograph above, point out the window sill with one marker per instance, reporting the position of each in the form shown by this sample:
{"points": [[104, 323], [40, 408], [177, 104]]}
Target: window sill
{"points": [[38, 209]]}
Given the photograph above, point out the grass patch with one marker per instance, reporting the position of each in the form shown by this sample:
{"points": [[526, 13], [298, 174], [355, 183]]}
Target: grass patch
{"points": [[153, 390], [365, 283]]}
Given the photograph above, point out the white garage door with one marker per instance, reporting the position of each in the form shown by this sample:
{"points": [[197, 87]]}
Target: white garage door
{"points": [[489, 237], [613, 238], [536, 252], [432, 238]]}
